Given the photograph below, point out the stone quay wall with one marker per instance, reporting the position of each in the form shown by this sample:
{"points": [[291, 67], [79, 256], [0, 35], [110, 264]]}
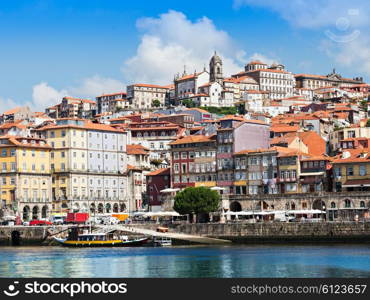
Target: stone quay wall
{"points": [[276, 231], [237, 232], [27, 235]]}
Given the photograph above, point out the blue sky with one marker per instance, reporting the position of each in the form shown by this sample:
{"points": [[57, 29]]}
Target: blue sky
{"points": [[86, 47]]}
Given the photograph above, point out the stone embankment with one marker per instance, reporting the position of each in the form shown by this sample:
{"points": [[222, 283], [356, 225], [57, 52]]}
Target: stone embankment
{"points": [[278, 232], [236, 232]]}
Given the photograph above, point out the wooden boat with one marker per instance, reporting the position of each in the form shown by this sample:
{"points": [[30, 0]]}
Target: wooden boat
{"points": [[82, 237]]}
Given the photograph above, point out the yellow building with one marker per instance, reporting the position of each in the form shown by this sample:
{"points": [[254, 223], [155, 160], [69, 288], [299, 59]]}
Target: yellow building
{"points": [[288, 172], [351, 170], [25, 176], [87, 162]]}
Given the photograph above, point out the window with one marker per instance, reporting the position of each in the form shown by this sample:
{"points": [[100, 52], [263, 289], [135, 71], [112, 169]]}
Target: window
{"points": [[191, 154], [176, 168], [13, 166], [347, 203], [4, 167], [42, 167], [362, 170], [52, 134], [33, 153], [184, 155], [176, 155], [12, 180], [62, 154], [338, 171], [33, 167], [74, 154], [4, 180], [4, 152], [349, 171], [62, 166], [63, 133], [12, 152]]}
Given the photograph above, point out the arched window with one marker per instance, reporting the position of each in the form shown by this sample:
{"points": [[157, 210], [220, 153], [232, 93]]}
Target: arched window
{"points": [[332, 205], [347, 203], [362, 204]]}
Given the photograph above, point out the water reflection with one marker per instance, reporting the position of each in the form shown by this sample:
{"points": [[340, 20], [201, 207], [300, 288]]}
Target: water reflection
{"points": [[235, 261]]}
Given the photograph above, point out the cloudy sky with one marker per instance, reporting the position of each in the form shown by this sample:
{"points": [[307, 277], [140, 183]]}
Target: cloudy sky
{"points": [[83, 48]]}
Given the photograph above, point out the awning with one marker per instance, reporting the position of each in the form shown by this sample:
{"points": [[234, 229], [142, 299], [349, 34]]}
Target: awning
{"points": [[306, 211], [217, 188], [312, 174], [162, 214], [169, 190], [357, 183], [239, 213]]}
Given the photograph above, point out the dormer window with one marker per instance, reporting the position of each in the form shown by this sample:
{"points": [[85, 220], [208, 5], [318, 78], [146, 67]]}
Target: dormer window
{"points": [[363, 155]]}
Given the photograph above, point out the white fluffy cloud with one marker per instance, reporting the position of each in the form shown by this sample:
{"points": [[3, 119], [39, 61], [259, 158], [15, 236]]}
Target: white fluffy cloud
{"points": [[96, 85], [345, 26], [263, 58], [171, 41], [7, 103], [43, 95]]}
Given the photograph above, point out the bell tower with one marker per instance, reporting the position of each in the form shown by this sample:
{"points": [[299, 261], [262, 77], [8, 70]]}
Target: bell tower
{"points": [[215, 69]]}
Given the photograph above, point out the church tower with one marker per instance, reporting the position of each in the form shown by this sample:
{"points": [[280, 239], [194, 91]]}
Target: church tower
{"points": [[215, 69]]}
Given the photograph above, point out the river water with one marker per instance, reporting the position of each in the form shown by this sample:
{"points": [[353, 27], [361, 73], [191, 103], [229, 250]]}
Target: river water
{"points": [[347, 260]]}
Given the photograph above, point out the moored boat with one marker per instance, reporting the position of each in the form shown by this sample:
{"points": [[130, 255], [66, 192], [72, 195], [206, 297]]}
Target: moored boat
{"points": [[83, 237]]}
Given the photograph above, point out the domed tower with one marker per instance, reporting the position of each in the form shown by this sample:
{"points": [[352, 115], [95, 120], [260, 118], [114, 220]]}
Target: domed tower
{"points": [[215, 69]]}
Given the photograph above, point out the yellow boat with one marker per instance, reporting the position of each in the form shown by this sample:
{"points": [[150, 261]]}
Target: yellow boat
{"points": [[82, 237]]}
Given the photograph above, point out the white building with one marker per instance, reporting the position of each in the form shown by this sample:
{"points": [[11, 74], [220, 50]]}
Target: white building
{"points": [[187, 85], [273, 79], [112, 102], [147, 96]]}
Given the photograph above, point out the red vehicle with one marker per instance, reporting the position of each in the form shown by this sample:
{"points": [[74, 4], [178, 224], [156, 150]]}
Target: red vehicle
{"points": [[40, 223], [77, 218]]}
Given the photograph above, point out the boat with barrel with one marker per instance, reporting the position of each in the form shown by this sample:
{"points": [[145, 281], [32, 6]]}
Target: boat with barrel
{"points": [[85, 237]]}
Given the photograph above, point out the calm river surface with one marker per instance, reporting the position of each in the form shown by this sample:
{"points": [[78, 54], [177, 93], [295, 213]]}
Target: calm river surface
{"points": [[226, 261]]}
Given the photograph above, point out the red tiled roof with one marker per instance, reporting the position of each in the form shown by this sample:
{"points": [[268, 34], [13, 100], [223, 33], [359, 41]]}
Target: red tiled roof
{"points": [[150, 85], [190, 139], [136, 150], [163, 171]]}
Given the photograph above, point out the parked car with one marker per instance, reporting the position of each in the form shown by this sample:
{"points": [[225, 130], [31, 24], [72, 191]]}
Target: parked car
{"points": [[26, 223], [40, 223], [110, 221], [57, 220]]}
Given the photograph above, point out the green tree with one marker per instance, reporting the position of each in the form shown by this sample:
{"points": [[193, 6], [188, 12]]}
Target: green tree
{"points": [[196, 201], [188, 103], [363, 104], [156, 103], [221, 110], [368, 123]]}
